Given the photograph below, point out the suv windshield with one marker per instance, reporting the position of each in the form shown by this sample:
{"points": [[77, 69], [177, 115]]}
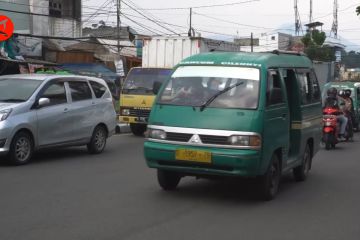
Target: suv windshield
{"points": [[141, 80], [17, 90], [197, 85]]}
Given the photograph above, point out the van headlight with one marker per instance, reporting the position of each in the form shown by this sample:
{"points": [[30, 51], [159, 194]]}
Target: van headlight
{"points": [[157, 134], [125, 111], [248, 141], [4, 114]]}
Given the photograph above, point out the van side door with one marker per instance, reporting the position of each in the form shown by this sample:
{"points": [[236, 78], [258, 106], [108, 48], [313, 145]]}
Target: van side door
{"points": [[276, 122]]}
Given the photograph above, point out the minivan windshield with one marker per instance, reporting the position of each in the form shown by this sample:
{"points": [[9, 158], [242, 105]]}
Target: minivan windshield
{"points": [[17, 90], [141, 80], [197, 85]]}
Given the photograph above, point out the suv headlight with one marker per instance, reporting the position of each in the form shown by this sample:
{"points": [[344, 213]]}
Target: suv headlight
{"points": [[157, 134], [4, 114], [248, 141], [125, 111]]}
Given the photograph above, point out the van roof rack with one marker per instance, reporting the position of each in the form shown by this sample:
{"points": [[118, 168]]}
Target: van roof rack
{"points": [[278, 52]]}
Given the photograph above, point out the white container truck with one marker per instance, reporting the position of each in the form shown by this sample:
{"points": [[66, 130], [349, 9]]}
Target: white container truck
{"points": [[166, 52]]}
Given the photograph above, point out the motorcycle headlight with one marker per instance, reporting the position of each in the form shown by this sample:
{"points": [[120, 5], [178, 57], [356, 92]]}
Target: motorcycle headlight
{"points": [[248, 141], [157, 134], [125, 111], [4, 114]]}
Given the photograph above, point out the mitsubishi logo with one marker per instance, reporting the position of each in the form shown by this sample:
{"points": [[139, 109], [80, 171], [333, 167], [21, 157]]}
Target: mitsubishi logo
{"points": [[143, 102], [195, 139]]}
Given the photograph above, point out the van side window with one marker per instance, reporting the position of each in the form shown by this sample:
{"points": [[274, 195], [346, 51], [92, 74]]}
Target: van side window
{"points": [[274, 94], [80, 91], [98, 89], [305, 86], [316, 93], [56, 93]]}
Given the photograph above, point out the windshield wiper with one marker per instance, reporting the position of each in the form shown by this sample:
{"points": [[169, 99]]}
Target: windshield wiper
{"points": [[212, 98], [12, 100]]}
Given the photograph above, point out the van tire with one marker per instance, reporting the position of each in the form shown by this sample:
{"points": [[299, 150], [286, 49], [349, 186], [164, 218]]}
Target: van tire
{"points": [[21, 149], [168, 180], [98, 140], [301, 172], [270, 181], [137, 129]]}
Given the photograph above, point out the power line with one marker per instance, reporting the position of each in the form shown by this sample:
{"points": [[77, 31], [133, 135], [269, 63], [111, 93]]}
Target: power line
{"points": [[140, 25], [148, 18], [202, 6]]}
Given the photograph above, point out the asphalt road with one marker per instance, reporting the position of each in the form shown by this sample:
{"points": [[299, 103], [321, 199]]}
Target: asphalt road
{"points": [[68, 194]]}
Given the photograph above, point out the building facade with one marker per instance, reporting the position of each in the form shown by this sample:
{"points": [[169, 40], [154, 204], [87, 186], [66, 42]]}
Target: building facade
{"points": [[59, 18]]}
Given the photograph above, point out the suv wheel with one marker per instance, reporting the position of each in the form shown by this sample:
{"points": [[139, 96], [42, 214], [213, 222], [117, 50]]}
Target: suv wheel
{"points": [[98, 140], [21, 149]]}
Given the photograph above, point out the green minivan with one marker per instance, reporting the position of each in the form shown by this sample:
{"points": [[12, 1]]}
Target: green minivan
{"points": [[254, 115]]}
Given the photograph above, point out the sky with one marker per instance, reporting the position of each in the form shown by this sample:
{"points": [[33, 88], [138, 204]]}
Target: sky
{"points": [[225, 22]]}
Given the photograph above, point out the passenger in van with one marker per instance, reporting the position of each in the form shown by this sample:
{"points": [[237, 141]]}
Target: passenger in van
{"points": [[213, 86], [333, 100]]}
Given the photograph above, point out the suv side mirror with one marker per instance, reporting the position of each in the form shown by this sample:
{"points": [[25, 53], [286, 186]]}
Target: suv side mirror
{"points": [[43, 102], [156, 87]]}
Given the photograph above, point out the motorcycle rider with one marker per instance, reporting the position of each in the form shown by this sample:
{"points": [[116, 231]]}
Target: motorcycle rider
{"points": [[333, 100], [349, 104]]}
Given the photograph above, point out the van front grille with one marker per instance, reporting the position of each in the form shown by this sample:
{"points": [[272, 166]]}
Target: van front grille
{"points": [[178, 137], [210, 139]]}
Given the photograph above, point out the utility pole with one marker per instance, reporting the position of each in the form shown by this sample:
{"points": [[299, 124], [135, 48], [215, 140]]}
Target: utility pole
{"points": [[190, 28], [252, 42], [297, 18], [118, 7], [334, 27], [311, 12]]}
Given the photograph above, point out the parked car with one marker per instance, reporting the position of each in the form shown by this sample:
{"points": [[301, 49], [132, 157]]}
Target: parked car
{"points": [[40, 111]]}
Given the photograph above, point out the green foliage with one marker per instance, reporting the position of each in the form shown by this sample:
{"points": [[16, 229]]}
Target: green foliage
{"points": [[318, 53], [351, 59], [316, 38]]}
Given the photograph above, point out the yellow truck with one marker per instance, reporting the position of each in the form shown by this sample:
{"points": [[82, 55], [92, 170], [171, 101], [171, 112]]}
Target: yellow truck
{"points": [[137, 96]]}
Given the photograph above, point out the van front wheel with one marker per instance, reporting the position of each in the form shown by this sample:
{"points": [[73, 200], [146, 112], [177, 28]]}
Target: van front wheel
{"points": [[269, 183], [137, 129], [168, 180]]}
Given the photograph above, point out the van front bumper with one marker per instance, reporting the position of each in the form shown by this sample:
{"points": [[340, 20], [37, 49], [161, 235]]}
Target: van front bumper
{"points": [[224, 162]]}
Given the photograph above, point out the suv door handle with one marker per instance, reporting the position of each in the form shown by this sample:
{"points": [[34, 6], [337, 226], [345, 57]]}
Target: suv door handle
{"points": [[66, 110], [283, 116]]}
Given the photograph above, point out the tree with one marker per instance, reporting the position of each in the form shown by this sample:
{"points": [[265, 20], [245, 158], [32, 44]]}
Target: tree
{"points": [[315, 38], [358, 10]]}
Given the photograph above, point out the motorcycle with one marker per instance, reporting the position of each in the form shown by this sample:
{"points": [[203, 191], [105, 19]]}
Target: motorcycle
{"points": [[330, 127]]}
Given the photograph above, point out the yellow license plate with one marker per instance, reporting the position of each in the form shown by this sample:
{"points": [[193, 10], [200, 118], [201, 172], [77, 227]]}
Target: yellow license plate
{"points": [[193, 155]]}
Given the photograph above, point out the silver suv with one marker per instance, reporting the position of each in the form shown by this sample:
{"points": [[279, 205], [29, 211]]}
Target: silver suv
{"points": [[40, 111]]}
